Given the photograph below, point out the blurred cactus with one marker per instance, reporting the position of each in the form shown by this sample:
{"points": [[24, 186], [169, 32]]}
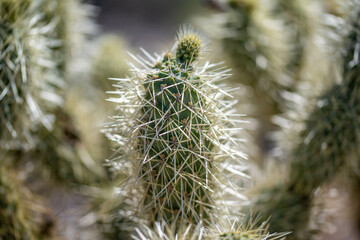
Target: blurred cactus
{"points": [[286, 210], [246, 233], [28, 76], [329, 136], [301, 22], [73, 23], [112, 214], [273, 45], [109, 62], [174, 133], [35, 37], [257, 44], [21, 216], [62, 155]]}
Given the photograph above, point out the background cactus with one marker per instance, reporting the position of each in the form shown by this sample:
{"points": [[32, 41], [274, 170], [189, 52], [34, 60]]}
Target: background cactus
{"points": [[36, 38], [21, 215], [28, 77], [173, 127], [323, 151], [73, 23], [256, 42], [302, 20], [109, 62]]}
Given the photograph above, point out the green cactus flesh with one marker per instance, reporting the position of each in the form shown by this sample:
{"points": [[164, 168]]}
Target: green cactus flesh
{"points": [[177, 129], [177, 136]]}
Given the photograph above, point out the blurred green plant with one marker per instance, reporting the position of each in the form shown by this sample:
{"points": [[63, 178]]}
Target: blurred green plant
{"points": [[110, 61], [28, 76], [21, 214], [329, 137], [73, 23]]}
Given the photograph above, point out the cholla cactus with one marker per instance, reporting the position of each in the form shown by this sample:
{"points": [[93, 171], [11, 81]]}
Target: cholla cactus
{"points": [[72, 23], [21, 216], [302, 21], [62, 156], [220, 229], [257, 44], [109, 61], [174, 133], [28, 76], [286, 210], [329, 134], [325, 144], [33, 115]]}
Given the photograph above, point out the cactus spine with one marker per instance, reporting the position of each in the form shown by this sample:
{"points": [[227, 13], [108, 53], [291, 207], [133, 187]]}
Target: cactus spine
{"points": [[173, 132]]}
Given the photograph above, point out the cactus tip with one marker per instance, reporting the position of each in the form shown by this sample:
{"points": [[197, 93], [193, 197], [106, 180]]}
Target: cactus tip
{"points": [[188, 48]]}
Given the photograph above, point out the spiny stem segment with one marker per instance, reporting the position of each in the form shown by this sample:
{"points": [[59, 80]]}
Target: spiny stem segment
{"points": [[175, 130]]}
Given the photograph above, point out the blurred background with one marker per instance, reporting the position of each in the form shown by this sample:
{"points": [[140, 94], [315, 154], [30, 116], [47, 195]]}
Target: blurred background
{"points": [[150, 24]]}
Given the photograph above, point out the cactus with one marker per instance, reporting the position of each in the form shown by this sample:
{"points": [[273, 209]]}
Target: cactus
{"points": [[173, 133], [28, 77], [21, 216], [257, 44], [109, 61], [329, 133], [73, 23], [114, 215], [62, 156], [286, 210], [34, 118], [329, 137], [302, 20], [219, 229], [255, 41]]}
